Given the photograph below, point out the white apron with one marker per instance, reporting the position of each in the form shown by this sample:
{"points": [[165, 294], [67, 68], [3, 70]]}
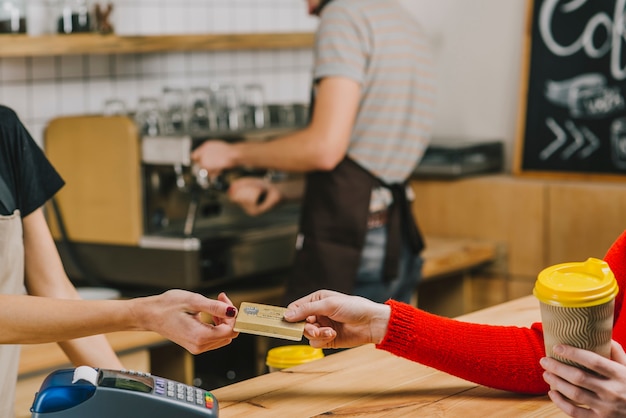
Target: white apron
{"points": [[11, 282]]}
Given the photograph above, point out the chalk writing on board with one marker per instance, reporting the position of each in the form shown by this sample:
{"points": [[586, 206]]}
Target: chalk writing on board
{"points": [[575, 118]]}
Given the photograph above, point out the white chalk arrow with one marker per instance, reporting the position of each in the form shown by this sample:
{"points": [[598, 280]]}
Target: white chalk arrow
{"points": [[579, 140], [561, 138], [594, 143]]}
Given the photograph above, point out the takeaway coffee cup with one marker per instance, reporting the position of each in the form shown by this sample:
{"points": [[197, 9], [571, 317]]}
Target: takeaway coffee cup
{"points": [[577, 302], [282, 357]]}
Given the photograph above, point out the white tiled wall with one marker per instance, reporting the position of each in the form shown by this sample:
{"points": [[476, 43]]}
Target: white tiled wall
{"points": [[41, 88]]}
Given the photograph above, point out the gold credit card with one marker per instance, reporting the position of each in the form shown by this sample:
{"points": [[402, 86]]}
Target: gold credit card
{"points": [[267, 320]]}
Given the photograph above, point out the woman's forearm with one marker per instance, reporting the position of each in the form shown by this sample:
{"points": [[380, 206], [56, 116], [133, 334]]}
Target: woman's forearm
{"points": [[31, 319]]}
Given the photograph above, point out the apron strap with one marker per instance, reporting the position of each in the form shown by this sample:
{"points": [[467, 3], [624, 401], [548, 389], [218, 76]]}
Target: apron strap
{"points": [[6, 197], [400, 222]]}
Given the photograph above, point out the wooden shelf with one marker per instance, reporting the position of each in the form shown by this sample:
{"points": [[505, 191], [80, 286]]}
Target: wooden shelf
{"points": [[77, 44]]}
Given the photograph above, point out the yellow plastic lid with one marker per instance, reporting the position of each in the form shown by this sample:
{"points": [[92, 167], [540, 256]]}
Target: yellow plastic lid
{"points": [[292, 355], [576, 285]]}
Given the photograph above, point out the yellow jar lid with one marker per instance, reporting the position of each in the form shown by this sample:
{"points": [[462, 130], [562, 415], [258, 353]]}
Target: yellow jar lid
{"points": [[292, 355], [578, 284]]}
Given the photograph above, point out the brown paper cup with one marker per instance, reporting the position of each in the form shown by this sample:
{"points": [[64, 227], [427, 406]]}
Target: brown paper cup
{"points": [[577, 301], [589, 328]]}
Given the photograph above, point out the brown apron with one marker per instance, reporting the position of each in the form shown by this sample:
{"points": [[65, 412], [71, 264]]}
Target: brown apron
{"points": [[333, 226], [11, 282]]}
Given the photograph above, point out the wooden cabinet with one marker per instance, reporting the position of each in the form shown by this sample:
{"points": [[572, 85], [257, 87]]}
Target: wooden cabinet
{"points": [[92, 43], [539, 222]]}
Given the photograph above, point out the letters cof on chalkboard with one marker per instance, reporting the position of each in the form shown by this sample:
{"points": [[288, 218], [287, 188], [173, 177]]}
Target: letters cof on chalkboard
{"points": [[573, 93]]}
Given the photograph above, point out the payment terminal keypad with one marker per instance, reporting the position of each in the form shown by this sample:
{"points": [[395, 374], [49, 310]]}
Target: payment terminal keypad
{"points": [[183, 393]]}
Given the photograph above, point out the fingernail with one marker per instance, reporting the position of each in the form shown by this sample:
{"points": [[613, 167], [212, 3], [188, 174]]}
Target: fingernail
{"points": [[558, 349], [231, 312], [328, 333], [289, 314]]}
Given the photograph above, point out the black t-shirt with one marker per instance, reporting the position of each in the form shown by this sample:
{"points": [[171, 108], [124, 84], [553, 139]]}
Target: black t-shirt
{"points": [[27, 173]]}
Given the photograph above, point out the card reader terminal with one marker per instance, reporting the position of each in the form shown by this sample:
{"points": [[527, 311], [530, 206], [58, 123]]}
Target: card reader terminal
{"points": [[102, 393]]}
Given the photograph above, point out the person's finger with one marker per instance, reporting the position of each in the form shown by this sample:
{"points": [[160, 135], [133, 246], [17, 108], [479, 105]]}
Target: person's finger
{"points": [[215, 308], [319, 337], [570, 382], [569, 407], [617, 353], [224, 298], [225, 320], [586, 358], [301, 312]]}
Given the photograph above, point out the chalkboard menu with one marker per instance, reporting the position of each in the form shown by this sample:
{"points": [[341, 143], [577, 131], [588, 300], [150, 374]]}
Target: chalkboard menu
{"points": [[573, 110]]}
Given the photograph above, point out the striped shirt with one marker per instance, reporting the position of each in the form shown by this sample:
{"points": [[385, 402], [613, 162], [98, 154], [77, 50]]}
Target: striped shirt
{"points": [[380, 46]]}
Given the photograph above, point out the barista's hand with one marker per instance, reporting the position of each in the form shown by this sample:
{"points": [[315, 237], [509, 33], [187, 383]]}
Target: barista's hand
{"points": [[176, 315], [255, 195], [604, 395], [214, 156], [335, 320]]}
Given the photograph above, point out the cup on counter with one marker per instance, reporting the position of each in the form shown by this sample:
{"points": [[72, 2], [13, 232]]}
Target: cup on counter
{"points": [[148, 117], [73, 17], [115, 107], [577, 303], [279, 358], [255, 111], [12, 16], [174, 112], [201, 115], [228, 108]]}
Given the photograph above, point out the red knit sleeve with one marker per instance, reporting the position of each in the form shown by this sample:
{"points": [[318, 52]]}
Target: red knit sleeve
{"points": [[501, 357]]}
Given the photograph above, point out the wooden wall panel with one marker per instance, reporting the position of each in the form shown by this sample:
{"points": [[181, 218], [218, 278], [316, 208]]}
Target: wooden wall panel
{"points": [[584, 219], [500, 208], [540, 222]]}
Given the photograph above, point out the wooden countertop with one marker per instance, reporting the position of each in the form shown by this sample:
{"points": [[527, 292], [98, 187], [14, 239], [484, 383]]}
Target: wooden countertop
{"points": [[366, 382], [443, 256]]}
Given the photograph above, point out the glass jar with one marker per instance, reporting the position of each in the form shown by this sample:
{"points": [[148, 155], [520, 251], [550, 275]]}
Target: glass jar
{"points": [[201, 114], [73, 17], [12, 16], [174, 112], [148, 117]]}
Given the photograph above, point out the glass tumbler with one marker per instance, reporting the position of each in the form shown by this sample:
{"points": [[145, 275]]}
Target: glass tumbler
{"points": [[255, 111], [73, 17], [228, 108], [200, 110], [115, 107], [148, 117], [12, 16], [174, 113]]}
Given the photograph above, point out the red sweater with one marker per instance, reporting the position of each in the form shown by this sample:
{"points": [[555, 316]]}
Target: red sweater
{"points": [[501, 357]]}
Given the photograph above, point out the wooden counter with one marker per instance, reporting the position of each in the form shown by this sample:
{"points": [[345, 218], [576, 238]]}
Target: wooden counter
{"points": [[366, 382], [445, 256]]}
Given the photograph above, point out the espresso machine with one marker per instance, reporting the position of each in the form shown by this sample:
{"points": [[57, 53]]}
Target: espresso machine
{"points": [[135, 212]]}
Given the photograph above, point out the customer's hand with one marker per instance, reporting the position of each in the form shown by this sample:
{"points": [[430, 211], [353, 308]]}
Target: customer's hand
{"points": [[214, 156], [176, 315], [335, 320], [255, 195], [583, 394]]}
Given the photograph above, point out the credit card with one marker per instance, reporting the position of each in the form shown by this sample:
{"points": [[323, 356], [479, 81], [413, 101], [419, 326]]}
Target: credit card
{"points": [[268, 321]]}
